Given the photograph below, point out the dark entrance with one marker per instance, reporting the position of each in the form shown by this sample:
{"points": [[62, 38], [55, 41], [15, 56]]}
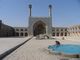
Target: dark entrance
{"points": [[39, 28]]}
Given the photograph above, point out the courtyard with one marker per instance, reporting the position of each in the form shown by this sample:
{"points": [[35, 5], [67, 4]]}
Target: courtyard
{"points": [[37, 50]]}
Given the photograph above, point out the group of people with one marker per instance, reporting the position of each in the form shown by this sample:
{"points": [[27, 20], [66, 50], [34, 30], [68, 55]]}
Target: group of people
{"points": [[57, 43]]}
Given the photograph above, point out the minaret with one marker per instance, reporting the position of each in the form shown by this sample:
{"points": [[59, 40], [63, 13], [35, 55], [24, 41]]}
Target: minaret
{"points": [[30, 9], [50, 10]]}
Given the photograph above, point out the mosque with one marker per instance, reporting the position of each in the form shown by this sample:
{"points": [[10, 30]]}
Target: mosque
{"points": [[43, 25], [37, 26]]}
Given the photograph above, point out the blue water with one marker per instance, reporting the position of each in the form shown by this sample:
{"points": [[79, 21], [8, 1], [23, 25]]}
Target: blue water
{"points": [[66, 48]]}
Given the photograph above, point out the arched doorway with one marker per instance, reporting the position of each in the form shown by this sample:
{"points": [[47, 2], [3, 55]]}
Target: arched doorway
{"points": [[39, 28]]}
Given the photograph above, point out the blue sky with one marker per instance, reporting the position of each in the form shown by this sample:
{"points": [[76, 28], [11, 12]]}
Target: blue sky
{"points": [[16, 12]]}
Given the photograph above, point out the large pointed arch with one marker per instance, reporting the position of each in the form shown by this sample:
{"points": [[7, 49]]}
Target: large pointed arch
{"points": [[39, 28]]}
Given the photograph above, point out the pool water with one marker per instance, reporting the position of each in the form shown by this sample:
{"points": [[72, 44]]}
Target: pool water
{"points": [[65, 48]]}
